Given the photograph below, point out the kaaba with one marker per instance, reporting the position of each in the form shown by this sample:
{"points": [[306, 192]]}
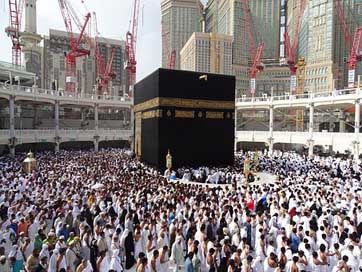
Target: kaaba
{"points": [[189, 114]]}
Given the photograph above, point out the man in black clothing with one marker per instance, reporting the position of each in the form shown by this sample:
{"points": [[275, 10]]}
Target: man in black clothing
{"points": [[129, 248]]}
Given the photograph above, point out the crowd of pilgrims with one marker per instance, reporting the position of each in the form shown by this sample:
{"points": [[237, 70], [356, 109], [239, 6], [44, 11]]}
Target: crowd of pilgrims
{"points": [[106, 211]]}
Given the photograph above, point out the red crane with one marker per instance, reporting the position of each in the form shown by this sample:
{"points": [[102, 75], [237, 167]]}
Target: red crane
{"points": [[170, 56], [291, 49], [76, 50], [172, 60], [131, 40], [354, 45], [255, 54], [14, 29], [104, 71]]}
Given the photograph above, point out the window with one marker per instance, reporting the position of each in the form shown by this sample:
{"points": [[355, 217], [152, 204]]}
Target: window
{"points": [[316, 11]]}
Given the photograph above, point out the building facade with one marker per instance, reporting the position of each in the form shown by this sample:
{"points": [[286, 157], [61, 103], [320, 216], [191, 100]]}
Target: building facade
{"points": [[228, 17], [180, 18], [207, 52], [55, 47], [31, 42], [274, 79], [322, 42], [266, 21]]}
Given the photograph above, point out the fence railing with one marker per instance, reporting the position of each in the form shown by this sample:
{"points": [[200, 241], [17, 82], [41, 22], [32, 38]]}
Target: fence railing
{"points": [[288, 97], [18, 89]]}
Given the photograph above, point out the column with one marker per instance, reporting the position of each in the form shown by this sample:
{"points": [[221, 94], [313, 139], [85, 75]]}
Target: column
{"points": [[96, 118], [36, 117], [12, 139], [356, 129], [236, 130], [96, 146], [271, 129], [331, 124], [133, 133], [56, 118], [96, 136], [311, 128], [342, 122]]}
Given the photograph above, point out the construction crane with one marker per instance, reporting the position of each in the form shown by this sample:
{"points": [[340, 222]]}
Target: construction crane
{"points": [[105, 73], [355, 53], [255, 54], [170, 56], [76, 50], [291, 49], [131, 42], [14, 29], [172, 60]]}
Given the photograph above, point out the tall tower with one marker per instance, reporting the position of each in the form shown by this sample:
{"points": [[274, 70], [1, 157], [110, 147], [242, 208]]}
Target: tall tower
{"points": [[266, 16], [180, 18], [31, 40]]}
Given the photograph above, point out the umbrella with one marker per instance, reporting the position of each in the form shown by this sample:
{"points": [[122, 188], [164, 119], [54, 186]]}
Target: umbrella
{"points": [[97, 186]]}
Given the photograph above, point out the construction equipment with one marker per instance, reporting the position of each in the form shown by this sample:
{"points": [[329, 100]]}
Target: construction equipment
{"points": [[14, 29], [291, 49], [172, 60], [76, 50], [255, 54], [105, 72], [355, 53], [131, 41], [170, 56]]}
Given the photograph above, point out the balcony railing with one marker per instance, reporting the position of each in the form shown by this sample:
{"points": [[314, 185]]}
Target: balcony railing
{"points": [[8, 65], [18, 89], [265, 98]]}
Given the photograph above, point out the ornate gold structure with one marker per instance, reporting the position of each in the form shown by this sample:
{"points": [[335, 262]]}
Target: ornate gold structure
{"points": [[138, 127], [168, 160], [246, 167], [184, 114], [184, 103], [152, 114], [214, 115], [300, 90], [30, 163], [204, 77]]}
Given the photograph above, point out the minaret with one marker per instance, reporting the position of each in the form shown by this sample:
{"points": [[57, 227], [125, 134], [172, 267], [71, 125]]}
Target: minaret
{"points": [[30, 16], [31, 40]]}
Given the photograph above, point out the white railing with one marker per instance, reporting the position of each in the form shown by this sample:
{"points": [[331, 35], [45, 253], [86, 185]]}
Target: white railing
{"points": [[8, 65], [48, 133], [338, 140], [288, 97], [25, 90], [18, 89]]}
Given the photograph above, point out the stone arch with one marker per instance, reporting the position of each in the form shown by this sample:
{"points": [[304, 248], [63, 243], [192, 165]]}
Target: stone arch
{"points": [[77, 145], [34, 147], [250, 146], [114, 144]]}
